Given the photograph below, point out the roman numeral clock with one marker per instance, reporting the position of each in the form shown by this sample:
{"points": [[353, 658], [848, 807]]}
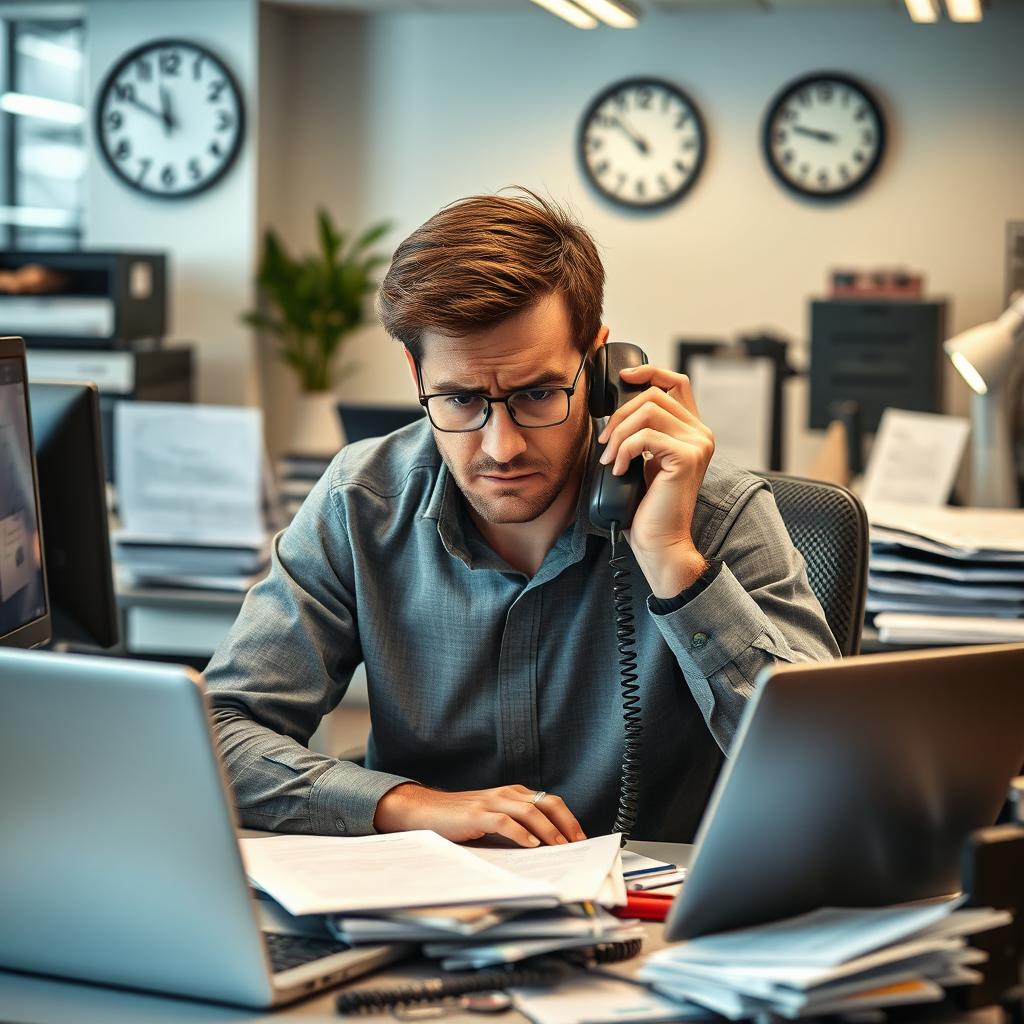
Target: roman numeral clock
{"points": [[641, 143], [170, 119]]}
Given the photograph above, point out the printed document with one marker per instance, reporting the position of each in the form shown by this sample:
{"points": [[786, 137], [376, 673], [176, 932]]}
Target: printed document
{"points": [[333, 875]]}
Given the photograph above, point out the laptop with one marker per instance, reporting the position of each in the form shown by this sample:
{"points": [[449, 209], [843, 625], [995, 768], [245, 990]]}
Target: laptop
{"points": [[119, 861], [362, 421], [854, 783]]}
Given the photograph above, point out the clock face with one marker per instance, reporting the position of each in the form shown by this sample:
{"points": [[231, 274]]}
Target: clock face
{"points": [[169, 119], [824, 136], [642, 143]]}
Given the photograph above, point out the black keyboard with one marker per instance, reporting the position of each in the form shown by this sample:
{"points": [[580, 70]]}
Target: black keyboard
{"points": [[288, 951]]}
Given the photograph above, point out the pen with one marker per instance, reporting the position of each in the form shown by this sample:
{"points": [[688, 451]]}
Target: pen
{"points": [[595, 924], [648, 906]]}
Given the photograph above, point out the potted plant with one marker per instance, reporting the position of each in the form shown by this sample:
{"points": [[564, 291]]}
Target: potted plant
{"points": [[312, 305]]}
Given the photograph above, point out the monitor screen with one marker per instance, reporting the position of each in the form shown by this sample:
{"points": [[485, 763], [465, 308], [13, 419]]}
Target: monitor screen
{"points": [[72, 492], [24, 620]]}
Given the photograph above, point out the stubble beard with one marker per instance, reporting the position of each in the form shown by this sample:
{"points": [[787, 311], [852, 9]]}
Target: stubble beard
{"points": [[496, 507]]}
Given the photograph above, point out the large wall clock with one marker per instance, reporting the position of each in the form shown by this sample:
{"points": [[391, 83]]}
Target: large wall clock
{"points": [[170, 119], [824, 136], [642, 143]]}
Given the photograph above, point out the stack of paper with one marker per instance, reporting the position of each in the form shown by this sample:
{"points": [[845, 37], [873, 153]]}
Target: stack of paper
{"points": [[469, 906], [296, 477], [644, 873], [194, 496], [946, 574], [830, 961]]}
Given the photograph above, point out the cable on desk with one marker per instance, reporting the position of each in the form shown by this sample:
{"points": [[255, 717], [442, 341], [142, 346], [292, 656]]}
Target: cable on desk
{"points": [[540, 973]]}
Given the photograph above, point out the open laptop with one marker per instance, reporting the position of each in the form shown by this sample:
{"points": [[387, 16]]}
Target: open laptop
{"points": [[855, 783], [118, 860]]}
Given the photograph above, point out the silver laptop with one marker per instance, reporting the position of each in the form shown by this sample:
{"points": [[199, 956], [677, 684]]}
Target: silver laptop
{"points": [[855, 783], [118, 856]]}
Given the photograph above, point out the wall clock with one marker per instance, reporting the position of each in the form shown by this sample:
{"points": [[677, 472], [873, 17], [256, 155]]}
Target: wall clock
{"points": [[824, 136], [170, 119], [642, 143]]}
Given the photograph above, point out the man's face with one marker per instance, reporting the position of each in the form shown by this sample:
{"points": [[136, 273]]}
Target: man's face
{"points": [[508, 473]]}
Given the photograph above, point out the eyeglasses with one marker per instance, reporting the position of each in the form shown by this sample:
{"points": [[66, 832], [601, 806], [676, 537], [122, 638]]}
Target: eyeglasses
{"points": [[456, 412]]}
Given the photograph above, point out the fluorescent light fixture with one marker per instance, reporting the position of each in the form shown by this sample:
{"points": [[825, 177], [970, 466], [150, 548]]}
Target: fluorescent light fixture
{"points": [[964, 10], [923, 11], [38, 217], [39, 106], [611, 12], [569, 12], [52, 53]]}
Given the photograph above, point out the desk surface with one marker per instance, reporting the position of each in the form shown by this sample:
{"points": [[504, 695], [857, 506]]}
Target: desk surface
{"points": [[28, 999]]}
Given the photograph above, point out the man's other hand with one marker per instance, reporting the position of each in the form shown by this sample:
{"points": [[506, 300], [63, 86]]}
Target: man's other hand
{"points": [[509, 811]]}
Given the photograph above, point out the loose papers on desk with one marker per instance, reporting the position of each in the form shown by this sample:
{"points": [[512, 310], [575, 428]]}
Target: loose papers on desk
{"points": [[941, 565], [828, 961], [403, 870]]}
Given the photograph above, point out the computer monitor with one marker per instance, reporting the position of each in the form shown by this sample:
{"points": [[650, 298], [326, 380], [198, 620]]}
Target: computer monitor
{"points": [[72, 491], [363, 421], [24, 613]]}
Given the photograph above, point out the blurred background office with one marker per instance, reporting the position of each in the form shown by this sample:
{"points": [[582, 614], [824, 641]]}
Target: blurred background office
{"points": [[778, 232]]}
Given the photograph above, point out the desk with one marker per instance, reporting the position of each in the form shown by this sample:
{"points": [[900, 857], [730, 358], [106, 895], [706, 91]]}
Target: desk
{"points": [[28, 999]]}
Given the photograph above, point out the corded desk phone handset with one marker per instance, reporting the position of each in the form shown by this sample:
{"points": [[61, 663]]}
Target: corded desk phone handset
{"points": [[613, 500]]}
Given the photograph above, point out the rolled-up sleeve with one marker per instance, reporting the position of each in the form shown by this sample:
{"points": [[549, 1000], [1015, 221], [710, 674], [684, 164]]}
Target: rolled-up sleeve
{"points": [[287, 662], [759, 610]]}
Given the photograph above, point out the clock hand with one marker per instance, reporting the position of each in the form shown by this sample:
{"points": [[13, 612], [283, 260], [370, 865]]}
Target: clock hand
{"points": [[146, 107], [815, 133], [165, 111], [633, 136]]}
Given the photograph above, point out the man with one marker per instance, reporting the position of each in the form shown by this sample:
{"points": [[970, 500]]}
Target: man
{"points": [[456, 559]]}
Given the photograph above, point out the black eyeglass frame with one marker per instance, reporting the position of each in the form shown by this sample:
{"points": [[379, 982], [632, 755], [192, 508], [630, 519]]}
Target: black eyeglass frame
{"points": [[503, 400]]}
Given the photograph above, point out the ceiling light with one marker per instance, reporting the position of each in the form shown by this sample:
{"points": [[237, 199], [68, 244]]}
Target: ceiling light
{"points": [[53, 53], [40, 106], [569, 12], [611, 12], [964, 10], [923, 10]]}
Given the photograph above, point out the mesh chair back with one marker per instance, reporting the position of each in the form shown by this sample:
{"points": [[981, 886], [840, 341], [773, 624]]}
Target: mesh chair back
{"points": [[829, 527]]}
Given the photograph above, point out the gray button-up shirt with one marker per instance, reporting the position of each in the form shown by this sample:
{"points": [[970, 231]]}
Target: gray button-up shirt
{"points": [[481, 676]]}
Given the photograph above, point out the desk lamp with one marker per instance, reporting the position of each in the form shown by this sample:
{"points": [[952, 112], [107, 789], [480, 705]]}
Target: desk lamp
{"points": [[983, 356]]}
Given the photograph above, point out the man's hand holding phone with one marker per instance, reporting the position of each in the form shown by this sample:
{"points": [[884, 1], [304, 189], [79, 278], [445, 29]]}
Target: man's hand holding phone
{"points": [[664, 421], [525, 816]]}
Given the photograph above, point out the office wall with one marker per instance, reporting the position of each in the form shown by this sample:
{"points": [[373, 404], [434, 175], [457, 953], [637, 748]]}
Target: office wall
{"points": [[453, 104], [210, 238]]}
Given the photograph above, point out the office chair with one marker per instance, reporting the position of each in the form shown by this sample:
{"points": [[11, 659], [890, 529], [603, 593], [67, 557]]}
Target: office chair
{"points": [[829, 527]]}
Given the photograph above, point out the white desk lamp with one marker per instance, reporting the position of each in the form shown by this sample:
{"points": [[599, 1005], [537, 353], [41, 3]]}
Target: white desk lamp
{"points": [[983, 356]]}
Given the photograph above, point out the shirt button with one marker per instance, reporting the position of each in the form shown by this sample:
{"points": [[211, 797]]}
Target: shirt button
{"points": [[519, 746], [339, 824], [699, 640]]}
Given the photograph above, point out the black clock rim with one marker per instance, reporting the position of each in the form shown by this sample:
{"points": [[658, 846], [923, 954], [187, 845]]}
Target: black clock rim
{"points": [[795, 86], [105, 86], [591, 109]]}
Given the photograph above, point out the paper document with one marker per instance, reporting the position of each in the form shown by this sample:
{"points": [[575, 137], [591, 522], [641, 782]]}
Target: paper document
{"points": [[915, 457], [823, 937], [191, 471], [598, 1000], [332, 875], [960, 530], [902, 628], [577, 871]]}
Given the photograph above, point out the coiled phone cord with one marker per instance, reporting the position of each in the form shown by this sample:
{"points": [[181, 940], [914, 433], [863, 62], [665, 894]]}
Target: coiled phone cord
{"points": [[625, 634], [539, 973]]}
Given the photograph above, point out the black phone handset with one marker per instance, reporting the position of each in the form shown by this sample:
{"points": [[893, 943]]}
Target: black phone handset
{"points": [[613, 500]]}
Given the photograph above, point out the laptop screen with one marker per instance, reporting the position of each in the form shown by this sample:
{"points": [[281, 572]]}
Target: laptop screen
{"points": [[22, 589]]}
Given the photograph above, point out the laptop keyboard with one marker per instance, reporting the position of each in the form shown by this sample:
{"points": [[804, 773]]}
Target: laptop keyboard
{"points": [[288, 951]]}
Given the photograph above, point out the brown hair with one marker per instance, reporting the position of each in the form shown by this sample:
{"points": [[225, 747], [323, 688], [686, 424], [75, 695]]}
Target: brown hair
{"points": [[485, 258]]}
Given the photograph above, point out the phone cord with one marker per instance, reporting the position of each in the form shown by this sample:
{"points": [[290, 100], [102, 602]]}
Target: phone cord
{"points": [[625, 634]]}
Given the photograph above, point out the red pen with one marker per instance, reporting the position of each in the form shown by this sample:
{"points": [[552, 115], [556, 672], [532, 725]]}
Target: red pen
{"points": [[648, 906]]}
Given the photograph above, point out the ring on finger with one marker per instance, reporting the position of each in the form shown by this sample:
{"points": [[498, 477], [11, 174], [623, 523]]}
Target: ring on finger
{"points": [[538, 796]]}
